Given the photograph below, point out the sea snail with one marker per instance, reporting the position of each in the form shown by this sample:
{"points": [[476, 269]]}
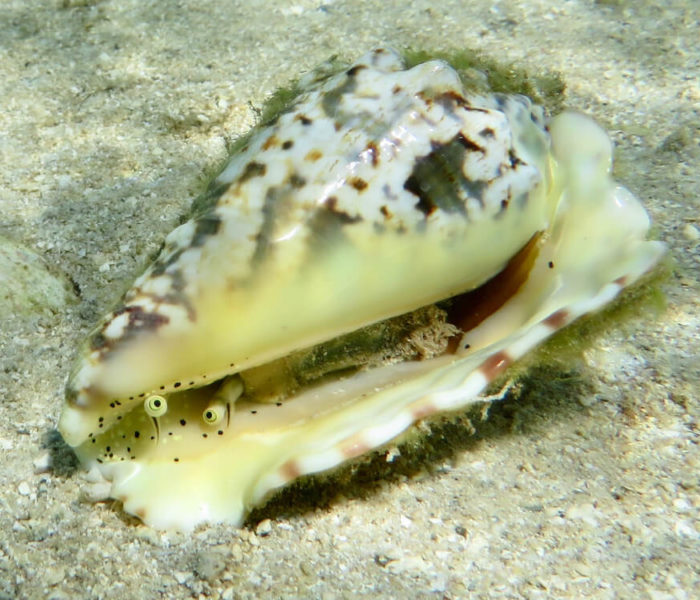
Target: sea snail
{"points": [[379, 252]]}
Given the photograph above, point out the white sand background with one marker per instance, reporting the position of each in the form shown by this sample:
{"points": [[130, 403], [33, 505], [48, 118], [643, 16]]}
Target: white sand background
{"points": [[586, 486]]}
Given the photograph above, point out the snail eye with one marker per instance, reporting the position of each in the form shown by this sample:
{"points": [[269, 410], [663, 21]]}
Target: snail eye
{"points": [[214, 413], [155, 406]]}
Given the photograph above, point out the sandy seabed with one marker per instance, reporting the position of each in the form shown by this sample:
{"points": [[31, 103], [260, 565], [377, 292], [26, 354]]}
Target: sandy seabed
{"points": [[585, 485]]}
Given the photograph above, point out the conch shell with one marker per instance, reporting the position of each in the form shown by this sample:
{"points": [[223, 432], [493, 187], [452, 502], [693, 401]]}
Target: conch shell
{"points": [[231, 366]]}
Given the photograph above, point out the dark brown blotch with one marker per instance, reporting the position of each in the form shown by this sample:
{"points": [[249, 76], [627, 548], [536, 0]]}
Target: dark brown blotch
{"points": [[358, 183], [373, 152], [205, 226], [451, 99], [514, 159], [296, 181], [331, 100], [468, 144], [339, 216], [252, 169], [438, 181], [98, 342], [352, 71], [270, 142], [141, 319]]}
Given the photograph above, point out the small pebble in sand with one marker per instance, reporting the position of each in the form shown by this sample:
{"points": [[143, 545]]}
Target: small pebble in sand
{"points": [[691, 233]]}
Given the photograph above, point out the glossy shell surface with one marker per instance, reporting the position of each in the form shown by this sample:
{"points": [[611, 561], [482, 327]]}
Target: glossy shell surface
{"points": [[380, 191]]}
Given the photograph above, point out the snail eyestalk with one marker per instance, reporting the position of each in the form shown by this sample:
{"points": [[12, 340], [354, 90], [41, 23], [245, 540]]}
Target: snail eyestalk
{"points": [[220, 405], [155, 406], [214, 413]]}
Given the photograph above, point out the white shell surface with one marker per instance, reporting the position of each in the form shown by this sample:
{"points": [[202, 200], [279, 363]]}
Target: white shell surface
{"points": [[381, 190]]}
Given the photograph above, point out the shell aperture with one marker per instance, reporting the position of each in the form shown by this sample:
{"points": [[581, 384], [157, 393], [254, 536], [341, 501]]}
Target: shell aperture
{"points": [[228, 368]]}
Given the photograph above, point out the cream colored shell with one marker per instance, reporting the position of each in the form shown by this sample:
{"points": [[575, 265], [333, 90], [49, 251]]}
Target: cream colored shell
{"points": [[380, 191]]}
